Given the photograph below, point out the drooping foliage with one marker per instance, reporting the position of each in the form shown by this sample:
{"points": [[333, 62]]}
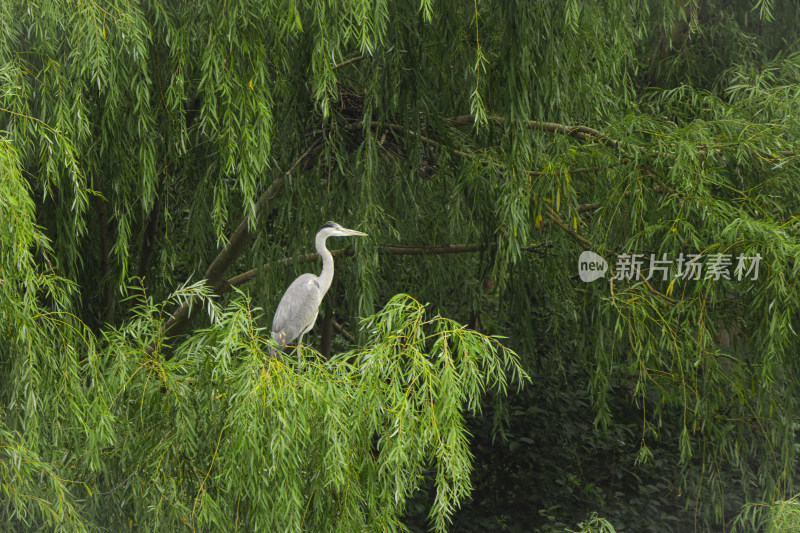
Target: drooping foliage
{"points": [[483, 146]]}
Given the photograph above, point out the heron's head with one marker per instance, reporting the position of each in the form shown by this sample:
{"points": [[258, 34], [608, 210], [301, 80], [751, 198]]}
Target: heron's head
{"points": [[332, 229]]}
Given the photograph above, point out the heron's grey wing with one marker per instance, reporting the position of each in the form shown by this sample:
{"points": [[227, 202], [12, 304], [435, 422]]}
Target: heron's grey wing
{"points": [[298, 309]]}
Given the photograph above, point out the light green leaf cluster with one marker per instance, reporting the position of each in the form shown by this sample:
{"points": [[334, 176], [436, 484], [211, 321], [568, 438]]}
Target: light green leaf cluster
{"points": [[224, 436], [781, 516], [44, 365]]}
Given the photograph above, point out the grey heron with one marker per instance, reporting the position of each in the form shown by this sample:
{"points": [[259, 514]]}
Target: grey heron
{"points": [[299, 306]]}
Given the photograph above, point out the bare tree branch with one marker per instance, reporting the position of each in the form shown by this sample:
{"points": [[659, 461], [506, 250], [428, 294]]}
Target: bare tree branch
{"points": [[394, 249]]}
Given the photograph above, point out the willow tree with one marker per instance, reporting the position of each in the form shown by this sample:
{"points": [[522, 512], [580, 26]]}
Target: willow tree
{"points": [[164, 167]]}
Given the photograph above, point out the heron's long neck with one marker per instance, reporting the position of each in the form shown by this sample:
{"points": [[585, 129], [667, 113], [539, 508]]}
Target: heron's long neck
{"points": [[326, 277]]}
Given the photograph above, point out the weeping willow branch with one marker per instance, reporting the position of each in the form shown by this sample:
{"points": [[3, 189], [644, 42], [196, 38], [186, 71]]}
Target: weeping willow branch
{"points": [[587, 134], [437, 144], [583, 133], [105, 250], [400, 129], [587, 244], [570, 171]]}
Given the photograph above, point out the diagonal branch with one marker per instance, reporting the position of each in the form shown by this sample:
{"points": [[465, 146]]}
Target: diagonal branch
{"points": [[348, 62], [240, 238], [585, 243], [343, 332], [215, 272]]}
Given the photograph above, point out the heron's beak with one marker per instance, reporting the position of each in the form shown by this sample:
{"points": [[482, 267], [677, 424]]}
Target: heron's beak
{"points": [[349, 232]]}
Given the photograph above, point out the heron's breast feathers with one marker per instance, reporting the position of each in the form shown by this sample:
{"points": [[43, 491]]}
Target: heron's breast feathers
{"points": [[297, 310]]}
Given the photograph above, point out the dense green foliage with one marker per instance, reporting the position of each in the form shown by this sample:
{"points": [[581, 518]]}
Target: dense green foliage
{"points": [[483, 146]]}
